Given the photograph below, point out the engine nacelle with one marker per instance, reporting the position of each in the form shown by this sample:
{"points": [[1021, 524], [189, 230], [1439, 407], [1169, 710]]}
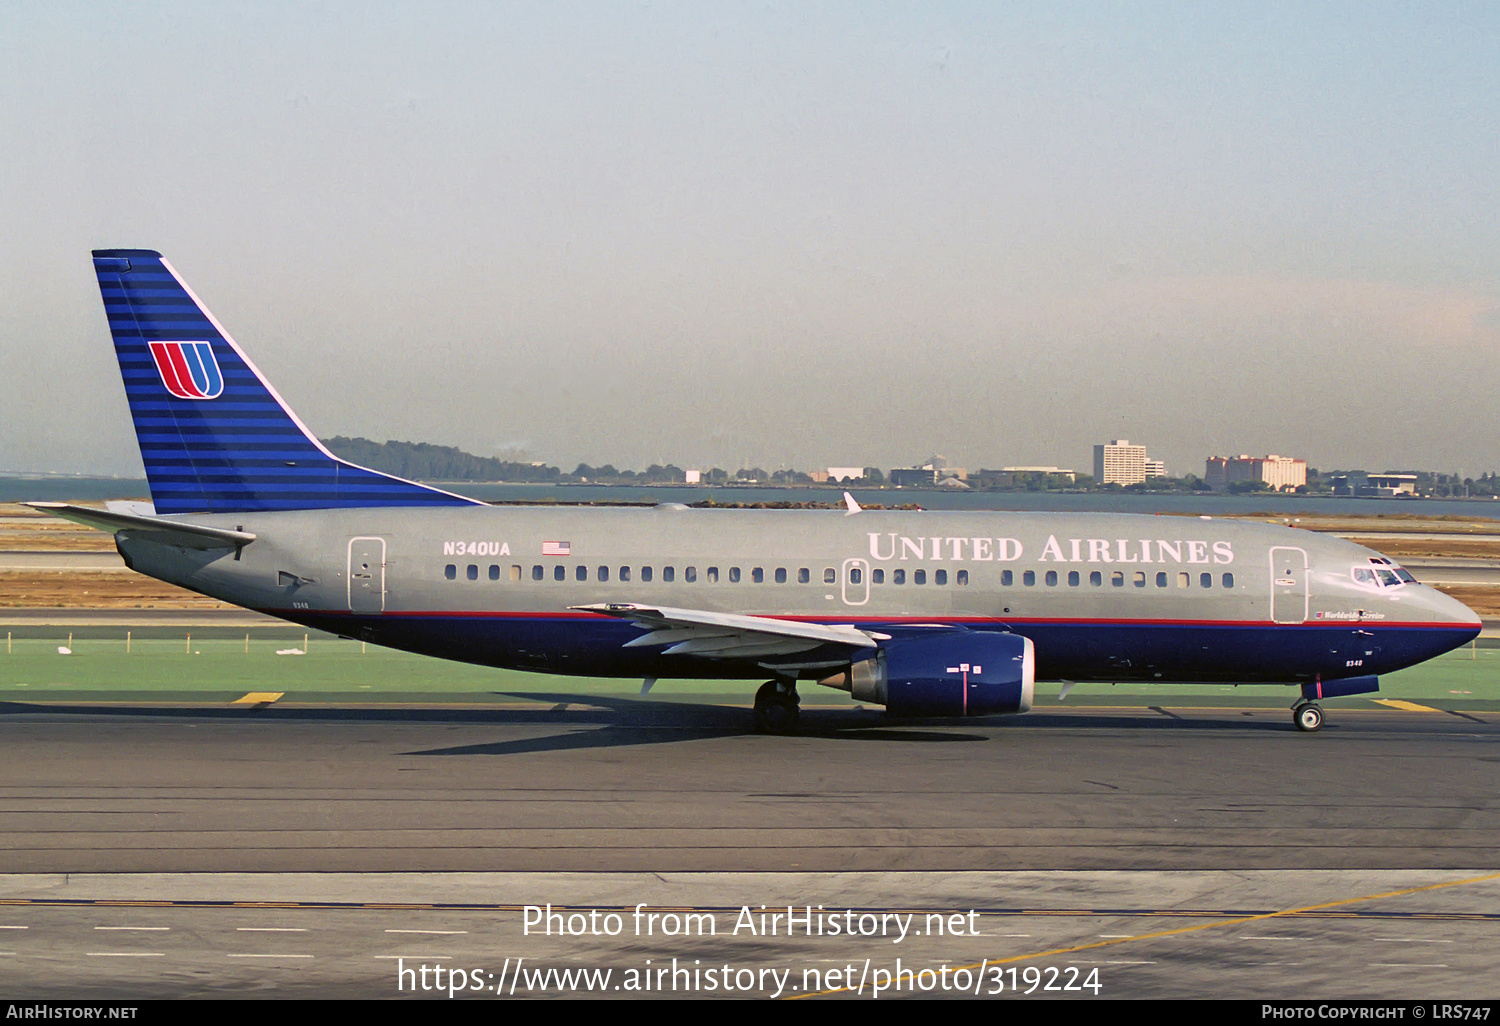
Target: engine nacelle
{"points": [[963, 673]]}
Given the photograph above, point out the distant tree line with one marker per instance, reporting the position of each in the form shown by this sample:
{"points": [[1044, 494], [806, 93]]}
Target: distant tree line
{"points": [[420, 461]]}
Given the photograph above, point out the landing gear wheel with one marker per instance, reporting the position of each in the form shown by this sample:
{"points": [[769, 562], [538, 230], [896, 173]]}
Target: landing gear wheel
{"points": [[777, 707], [1308, 717]]}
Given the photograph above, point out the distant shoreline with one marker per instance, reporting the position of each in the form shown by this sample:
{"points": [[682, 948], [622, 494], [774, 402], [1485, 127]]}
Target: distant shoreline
{"points": [[56, 488]]}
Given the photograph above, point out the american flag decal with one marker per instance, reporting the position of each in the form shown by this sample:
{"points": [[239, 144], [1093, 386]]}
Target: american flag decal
{"points": [[556, 548]]}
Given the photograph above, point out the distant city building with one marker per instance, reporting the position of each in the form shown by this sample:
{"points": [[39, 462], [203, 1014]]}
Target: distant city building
{"points": [[1392, 484], [694, 476], [1156, 468], [1280, 473], [937, 470], [845, 473], [1369, 486], [1121, 463], [1060, 471], [913, 477]]}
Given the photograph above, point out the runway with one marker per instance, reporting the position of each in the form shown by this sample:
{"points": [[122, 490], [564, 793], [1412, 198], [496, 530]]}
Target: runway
{"points": [[1253, 935], [1177, 851], [586, 783]]}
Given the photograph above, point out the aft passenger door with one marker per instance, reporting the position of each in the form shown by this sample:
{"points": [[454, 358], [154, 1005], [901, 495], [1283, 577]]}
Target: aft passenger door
{"points": [[1288, 584], [367, 575]]}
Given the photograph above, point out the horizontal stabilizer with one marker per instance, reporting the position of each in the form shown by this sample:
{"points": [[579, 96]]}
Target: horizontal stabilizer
{"points": [[190, 536]]}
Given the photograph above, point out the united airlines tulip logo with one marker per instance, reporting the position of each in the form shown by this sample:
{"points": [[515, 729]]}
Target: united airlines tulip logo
{"points": [[188, 369]]}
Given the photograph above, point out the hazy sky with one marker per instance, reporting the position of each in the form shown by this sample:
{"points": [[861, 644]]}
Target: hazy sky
{"points": [[775, 233]]}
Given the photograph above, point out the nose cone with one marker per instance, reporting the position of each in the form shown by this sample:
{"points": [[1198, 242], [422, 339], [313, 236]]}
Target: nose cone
{"points": [[1462, 622]]}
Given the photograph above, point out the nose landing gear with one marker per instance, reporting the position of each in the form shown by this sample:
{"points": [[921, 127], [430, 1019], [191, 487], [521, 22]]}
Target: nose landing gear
{"points": [[1308, 716], [777, 707]]}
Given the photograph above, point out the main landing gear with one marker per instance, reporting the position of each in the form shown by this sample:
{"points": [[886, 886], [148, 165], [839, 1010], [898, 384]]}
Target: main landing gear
{"points": [[777, 707], [1308, 716]]}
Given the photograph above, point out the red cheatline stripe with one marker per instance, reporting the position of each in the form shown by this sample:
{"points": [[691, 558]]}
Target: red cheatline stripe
{"points": [[548, 614]]}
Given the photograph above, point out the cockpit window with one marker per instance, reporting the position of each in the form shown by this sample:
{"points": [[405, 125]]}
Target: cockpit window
{"points": [[1384, 574]]}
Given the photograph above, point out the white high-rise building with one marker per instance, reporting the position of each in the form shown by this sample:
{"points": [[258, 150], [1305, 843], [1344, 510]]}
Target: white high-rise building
{"points": [[1119, 462]]}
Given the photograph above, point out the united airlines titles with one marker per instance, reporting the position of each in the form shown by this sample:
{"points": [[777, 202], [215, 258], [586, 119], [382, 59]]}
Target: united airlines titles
{"points": [[886, 547]]}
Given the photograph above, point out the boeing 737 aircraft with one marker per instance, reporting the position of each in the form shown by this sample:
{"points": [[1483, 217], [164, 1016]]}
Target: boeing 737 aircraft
{"points": [[925, 613]]}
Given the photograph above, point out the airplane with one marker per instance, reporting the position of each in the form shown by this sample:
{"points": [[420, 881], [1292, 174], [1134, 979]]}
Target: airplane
{"points": [[926, 613]]}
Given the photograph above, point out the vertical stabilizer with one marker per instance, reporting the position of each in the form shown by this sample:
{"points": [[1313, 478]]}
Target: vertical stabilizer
{"points": [[214, 435]]}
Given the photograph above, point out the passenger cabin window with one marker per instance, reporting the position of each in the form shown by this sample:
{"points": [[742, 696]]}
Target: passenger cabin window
{"points": [[1206, 580], [1096, 578], [472, 573], [668, 574], [711, 575], [961, 578], [1051, 578], [1028, 578], [804, 575], [877, 576], [898, 576], [829, 577], [451, 572], [1007, 578], [940, 577], [536, 573], [1182, 579], [582, 573], [758, 575], [855, 576], [1139, 580], [515, 572], [1161, 579], [1073, 578], [646, 574], [1117, 579], [559, 573], [690, 574], [919, 577], [781, 575], [494, 571], [734, 575], [624, 573], [604, 573]]}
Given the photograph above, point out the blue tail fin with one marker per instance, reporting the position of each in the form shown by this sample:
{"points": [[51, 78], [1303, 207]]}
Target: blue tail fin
{"points": [[215, 437]]}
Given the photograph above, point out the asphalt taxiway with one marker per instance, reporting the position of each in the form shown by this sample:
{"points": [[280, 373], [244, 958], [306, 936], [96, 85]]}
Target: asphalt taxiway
{"points": [[1179, 851], [592, 783]]}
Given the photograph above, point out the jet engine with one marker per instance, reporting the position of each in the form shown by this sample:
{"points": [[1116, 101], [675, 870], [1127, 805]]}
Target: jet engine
{"points": [[960, 673]]}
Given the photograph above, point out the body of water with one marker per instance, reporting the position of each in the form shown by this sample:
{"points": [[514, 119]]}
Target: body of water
{"points": [[59, 489]]}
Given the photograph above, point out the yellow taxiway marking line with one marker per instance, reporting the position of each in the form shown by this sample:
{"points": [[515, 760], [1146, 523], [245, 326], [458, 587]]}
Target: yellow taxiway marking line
{"points": [[1396, 703], [258, 698], [994, 962]]}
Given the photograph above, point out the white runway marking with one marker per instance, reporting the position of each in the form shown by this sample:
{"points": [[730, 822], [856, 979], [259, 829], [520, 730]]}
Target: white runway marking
{"points": [[271, 929], [443, 932]]}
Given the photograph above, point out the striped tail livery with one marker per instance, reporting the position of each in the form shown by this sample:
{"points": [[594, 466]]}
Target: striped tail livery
{"points": [[214, 435]]}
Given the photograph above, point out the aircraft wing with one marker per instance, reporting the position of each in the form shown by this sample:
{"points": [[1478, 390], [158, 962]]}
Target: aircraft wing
{"points": [[191, 536], [709, 635]]}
